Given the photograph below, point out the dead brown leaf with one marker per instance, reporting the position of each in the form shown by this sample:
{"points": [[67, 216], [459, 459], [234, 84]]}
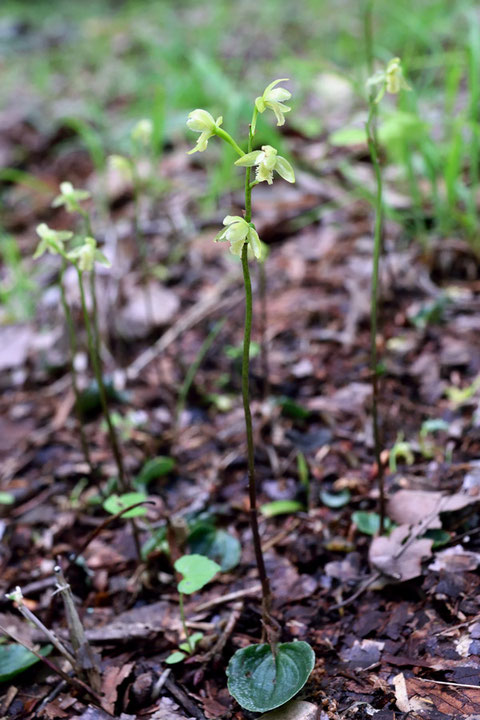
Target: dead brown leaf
{"points": [[400, 555]]}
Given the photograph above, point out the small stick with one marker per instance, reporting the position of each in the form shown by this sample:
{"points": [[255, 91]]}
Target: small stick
{"points": [[254, 590], [87, 659], [75, 682], [17, 597]]}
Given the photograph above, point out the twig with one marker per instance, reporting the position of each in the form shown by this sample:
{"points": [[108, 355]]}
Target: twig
{"points": [[451, 684], [216, 650], [78, 684], [254, 590], [366, 584], [103, 525], [183, 698]]}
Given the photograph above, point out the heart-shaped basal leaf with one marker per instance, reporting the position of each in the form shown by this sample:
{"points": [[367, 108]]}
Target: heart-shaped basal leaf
{"points": [[259, 683], [218, 545], [197, 571]]}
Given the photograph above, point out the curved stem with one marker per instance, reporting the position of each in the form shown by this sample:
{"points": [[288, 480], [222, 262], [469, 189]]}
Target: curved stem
{"points": [[377, 245], [73, 372], [228, 138]]}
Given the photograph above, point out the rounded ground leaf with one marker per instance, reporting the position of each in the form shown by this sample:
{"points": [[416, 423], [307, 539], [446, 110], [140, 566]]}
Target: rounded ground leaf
{"points": [[259, 683]]}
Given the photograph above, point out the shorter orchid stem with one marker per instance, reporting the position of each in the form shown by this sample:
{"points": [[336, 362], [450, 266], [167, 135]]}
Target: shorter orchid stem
{"points": [[73, 372]]}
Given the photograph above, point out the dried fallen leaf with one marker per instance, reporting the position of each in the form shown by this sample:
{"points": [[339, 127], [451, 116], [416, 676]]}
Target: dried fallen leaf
{"points": [[414, 506], [400, 555], [293, 710]]}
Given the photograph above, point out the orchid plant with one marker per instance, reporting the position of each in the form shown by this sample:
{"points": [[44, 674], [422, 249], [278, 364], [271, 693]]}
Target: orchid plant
{"points": [[83, 257], [388, 80], [266, 675]]}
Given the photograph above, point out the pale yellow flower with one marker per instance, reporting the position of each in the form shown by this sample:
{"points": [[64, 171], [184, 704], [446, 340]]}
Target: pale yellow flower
{"points": [[266, 161]]}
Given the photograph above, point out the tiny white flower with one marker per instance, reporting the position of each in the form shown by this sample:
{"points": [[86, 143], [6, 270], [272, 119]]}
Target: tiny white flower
{"points": [[50, 240], [267, 160], [70, 197], [143, 131], [391, 79], [273, 98], [84, 256], [238, 232], [202, 122]]}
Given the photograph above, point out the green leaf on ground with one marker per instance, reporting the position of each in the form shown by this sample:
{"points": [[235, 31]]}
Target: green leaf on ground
{"points": [[259, 682], [116, 503], [335, 500], [281, 507], [14, 659], [197, 571], [153, 469], [218, 545], [369, 522]]}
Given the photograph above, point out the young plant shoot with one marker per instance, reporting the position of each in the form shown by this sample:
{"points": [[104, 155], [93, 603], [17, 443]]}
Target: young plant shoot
{"points": [[197, 571], [389, 80], [264, 676]]}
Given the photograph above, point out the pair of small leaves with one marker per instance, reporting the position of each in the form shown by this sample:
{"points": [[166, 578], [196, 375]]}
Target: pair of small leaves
{"points": [[260, 682], [185, 649]]}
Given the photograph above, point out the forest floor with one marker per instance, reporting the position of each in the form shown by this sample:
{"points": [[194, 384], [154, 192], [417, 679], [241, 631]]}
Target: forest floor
{"points": [[408, 642]]}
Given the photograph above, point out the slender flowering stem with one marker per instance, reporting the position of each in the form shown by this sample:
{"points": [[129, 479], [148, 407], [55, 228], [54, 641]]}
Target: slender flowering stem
{"points": [[95, 359], [252, 486], [377, 243], [73, 351]]}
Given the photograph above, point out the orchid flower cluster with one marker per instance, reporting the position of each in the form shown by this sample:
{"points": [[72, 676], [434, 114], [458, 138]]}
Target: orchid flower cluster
{"points": [[390, 80], [82, 256], [239, 231]]}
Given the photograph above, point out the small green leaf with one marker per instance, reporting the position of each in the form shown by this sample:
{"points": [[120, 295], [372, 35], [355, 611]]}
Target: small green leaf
{"points": [[197, 571], [175, 657], [218, 545], [15, 659], [292, 409], [281, 507], [194, 640], [116, 503], [6, 498], [440, 537], [153, 469], [433, 425], [335, 500], [369, 522], [259, 682]]}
